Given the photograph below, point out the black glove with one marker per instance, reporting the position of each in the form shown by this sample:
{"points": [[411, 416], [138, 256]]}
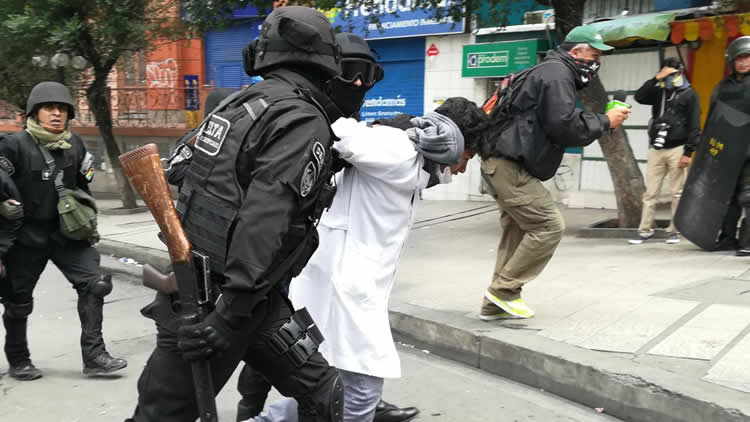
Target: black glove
{"points": [[94, 238], [11, 209], [200, 341], [338, 162]]}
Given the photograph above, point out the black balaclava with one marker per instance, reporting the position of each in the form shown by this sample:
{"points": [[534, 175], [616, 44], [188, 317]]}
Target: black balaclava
{"points": [[357, 61]]}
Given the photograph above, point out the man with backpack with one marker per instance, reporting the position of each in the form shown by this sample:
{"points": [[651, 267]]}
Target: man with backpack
{"points": [[529, 131]]}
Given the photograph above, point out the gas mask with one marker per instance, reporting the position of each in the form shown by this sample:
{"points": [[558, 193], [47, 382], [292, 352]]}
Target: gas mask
{"points": [[673, 81], [586, 70]]}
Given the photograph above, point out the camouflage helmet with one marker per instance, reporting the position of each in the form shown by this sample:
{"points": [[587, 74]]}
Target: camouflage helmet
{"points": [[737, 47], [297, 35], [50, 92]]}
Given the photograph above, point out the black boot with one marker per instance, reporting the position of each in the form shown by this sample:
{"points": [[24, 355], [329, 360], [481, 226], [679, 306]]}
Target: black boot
{"points": [[25, 372], [96, 360], [103, 364], [17, 348], [743, 248], [386, 412]]}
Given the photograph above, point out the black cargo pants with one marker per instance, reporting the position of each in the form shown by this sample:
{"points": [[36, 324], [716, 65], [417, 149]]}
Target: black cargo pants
{"points": [[24, 265], [165, 387]]}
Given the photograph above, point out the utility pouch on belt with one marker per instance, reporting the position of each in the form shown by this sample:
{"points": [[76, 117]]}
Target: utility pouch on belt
{"points": [[77, 211], [76, 208]]}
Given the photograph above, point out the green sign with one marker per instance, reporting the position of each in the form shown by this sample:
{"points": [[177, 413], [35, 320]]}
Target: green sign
{"points": [[500, 59]]}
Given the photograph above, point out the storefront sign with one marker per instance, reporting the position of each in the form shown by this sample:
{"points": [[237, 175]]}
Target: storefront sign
{"points": [[397, 19], [500, 59], [192, 98]]}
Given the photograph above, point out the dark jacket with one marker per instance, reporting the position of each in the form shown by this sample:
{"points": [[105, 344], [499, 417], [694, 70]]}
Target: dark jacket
{"points": [[544, 118], [682, 112], [26, 168]]}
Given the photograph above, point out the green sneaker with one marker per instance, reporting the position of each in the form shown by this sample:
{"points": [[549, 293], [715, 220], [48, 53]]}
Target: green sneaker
{"points": [[492, 312], [516, 307]]}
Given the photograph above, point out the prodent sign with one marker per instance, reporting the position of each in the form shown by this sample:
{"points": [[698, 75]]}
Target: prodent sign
{"points": [[500, 59], [410, 20]]}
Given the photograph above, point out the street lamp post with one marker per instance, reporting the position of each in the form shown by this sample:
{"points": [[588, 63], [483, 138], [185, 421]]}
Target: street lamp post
{"points": [[59, 61]]}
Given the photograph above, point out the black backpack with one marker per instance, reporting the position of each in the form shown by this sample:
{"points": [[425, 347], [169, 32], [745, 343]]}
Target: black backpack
{"points": [[500, 114]]}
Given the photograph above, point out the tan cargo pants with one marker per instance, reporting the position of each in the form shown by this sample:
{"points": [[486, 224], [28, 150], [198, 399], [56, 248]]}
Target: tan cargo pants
{"points": [[531, 223], [662, 164]]}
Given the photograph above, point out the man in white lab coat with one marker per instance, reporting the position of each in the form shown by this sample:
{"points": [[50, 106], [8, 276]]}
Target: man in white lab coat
{"points": [[347, 283]]}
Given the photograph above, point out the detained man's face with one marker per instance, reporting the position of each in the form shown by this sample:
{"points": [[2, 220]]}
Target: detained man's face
{"points": [[461, 166], [53, 117]]}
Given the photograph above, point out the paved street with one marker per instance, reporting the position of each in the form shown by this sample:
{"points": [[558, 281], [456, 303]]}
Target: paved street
{"points": [[444, 390], [651, 333]]}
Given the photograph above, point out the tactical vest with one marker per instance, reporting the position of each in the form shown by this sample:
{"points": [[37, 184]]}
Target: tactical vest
{"points": [[212, 194], [34, 181]]}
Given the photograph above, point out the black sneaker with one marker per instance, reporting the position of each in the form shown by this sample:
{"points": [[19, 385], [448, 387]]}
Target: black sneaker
{"points": [[25, 372], [103, 364], [642, 237]]}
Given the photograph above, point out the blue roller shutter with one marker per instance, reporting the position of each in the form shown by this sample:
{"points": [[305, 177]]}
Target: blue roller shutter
{"points": [[402, 89], [224, 54]]}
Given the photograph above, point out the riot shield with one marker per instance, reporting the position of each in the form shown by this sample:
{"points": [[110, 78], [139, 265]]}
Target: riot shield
{"points": [[712, 179]]}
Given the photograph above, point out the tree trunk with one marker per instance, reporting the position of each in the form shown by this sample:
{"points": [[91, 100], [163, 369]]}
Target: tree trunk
{"points": [[623, 168], [98, 98]]}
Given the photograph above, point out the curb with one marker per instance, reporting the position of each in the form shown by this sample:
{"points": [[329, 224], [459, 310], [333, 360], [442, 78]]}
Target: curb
{"points": [[156, 257], [625, 388], [603, 230], [593, 379]]}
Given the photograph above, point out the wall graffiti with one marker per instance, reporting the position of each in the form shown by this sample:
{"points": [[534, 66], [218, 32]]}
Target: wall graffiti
{"points": [[162, 79], [162, 74]]}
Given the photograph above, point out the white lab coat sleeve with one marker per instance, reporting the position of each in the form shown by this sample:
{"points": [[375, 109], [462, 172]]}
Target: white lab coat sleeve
{"points": [[382, 152]]}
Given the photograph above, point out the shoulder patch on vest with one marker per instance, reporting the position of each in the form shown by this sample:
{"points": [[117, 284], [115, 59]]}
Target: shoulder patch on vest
{"points": [[87, 167], [7, 166], [307, 181], [319, 152], [212, 135]]}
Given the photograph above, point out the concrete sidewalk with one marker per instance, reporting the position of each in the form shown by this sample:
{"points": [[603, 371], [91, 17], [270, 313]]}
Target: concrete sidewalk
{"points": [[652, 332]]}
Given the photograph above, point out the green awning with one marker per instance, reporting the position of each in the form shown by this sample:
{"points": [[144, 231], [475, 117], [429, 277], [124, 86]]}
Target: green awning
{"points": [[651, 26]]}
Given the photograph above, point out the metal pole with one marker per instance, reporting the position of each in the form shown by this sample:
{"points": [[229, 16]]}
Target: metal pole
{"points": [[61, 74]]}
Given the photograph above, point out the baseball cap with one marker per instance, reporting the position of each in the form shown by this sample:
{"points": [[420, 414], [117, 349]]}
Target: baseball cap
{"points": [[587, 34]]}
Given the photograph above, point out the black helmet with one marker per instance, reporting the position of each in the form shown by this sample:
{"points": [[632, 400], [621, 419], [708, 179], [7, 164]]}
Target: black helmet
{"points": [[738, 47], [296, 35], [358, 60], [50, 92]]}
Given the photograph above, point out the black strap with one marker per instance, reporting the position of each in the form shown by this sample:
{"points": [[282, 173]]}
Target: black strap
{"points": [[51, 166]]}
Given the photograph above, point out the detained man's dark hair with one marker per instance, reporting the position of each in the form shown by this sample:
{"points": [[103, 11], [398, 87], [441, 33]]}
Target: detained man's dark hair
{"points": [[470, 119]]}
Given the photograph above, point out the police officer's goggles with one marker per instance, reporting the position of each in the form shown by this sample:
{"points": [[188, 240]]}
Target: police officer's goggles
{"points": [[367, 71]]}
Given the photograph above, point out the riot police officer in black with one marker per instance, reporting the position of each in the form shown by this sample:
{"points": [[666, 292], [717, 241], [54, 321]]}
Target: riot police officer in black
{"points": [[34, 163], [258, 180]]}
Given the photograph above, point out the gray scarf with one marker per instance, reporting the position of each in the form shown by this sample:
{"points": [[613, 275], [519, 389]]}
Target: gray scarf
{"points": [[437, 138]]}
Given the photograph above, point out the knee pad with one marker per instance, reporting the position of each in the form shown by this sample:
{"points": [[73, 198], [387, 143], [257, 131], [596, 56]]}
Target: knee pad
{"points": [[101, 287], [297, 340], [325, 405], [18, 310]]}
